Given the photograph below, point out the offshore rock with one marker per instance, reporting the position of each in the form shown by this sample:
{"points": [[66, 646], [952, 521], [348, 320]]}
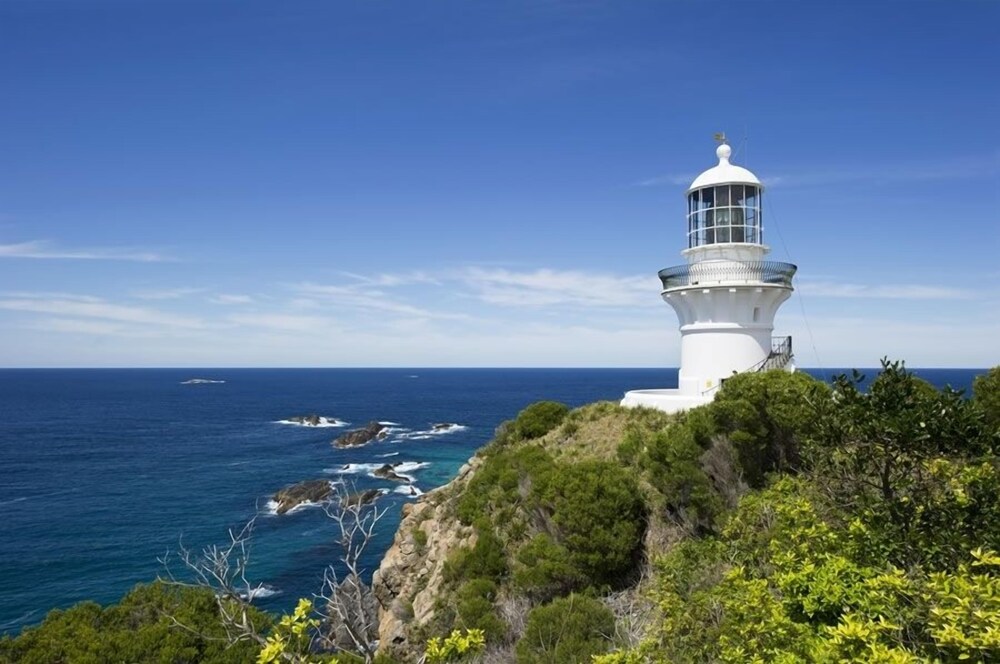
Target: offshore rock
{"points": [[307, 420], [386, 472], [310, 491], [362, 498], [358, 437]]}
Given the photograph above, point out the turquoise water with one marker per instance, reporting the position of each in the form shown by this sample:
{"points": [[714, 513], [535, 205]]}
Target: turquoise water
{"points": [[103, 471]]}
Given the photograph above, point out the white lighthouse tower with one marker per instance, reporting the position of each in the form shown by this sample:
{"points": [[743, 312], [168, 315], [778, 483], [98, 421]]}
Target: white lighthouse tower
{"points": [[726, 295]]}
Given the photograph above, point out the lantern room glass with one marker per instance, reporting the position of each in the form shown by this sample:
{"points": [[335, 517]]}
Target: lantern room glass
{"points": [[724, 213]]}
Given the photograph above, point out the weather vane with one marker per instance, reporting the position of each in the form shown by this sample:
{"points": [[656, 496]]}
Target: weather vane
{"points": [[720, 137]]}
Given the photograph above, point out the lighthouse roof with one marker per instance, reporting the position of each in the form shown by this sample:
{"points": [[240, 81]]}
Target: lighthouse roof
{"points": [[724, 173]]}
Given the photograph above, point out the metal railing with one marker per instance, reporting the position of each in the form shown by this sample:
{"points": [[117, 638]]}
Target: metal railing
{"points": [[750, 272], [779, 357]]}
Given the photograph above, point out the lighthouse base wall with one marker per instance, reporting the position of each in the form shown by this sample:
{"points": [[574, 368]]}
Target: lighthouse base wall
{"points": [[669, 401], [713, 353]]}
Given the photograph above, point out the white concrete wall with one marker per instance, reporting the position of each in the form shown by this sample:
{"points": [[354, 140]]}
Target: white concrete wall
{"points": [[723, 329]]}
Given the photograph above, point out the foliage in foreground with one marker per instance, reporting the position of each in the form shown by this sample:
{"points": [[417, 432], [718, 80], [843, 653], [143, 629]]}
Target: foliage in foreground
{"points": [[876, 544], [143, 627]]}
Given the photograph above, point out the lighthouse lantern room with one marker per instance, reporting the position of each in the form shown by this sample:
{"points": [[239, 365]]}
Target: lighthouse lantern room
{"points": [[727, 294]]}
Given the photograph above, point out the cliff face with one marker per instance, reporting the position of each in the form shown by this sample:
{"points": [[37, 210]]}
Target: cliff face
{"points": [[412, 570]]}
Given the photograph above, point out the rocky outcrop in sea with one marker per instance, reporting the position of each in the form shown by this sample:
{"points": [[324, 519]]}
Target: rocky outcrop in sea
{"points": [[309, 491], [358, 437]]}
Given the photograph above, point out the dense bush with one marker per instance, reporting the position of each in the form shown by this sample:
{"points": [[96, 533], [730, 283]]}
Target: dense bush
{"points": [[598, 516], [475, 609], [766, 417], [538, 419], [986, 389], [545, 570], [672, 461], [138, 629], [570, 629]]}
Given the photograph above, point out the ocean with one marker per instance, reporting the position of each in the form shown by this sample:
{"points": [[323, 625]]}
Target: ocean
{"points": [[104, 471]]}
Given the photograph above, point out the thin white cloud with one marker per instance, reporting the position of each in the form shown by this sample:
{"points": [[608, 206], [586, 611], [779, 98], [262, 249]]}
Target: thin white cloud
{"points": [[956, 168], [542, 288], [224, 298], [101, 310], [389, 280], [883, 291], [40, 249], [676, 179], [166, 293], [284, 322], [364, 298], [51, 296]]}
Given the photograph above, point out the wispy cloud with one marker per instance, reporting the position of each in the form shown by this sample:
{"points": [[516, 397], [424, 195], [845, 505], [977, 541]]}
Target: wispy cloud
{"points": [[884, 291], [95, 308], [389, 280], [544, 287], [676, 179], [224, 298], [364, 298], [284, 322], [166, 293], [955, 168], [40, 249]]}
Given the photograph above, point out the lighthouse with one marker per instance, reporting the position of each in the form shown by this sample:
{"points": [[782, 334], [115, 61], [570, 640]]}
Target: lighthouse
{"points": [[726, 294]]}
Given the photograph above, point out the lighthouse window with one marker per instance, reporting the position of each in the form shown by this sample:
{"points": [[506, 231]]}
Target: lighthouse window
{"points": [[722, 195], [725, 213]]}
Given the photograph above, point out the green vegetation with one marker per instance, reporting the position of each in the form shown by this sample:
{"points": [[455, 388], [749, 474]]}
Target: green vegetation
{"points": [[141, 628], [570, 629]]}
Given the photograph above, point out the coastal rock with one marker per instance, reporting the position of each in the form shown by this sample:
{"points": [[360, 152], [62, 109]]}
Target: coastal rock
{"points": [[443, 426], [387, 472], [307, 420], [362, 498], [412, 570], [357, 437], [310, 491]]}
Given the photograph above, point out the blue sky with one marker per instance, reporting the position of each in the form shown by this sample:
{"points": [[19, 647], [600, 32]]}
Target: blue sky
{"points": [[485, 184]]}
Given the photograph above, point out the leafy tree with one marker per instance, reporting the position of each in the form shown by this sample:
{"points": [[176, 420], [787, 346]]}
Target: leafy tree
{"points": [[884, 453], [570, 629], [767, 416], [986, 389]]}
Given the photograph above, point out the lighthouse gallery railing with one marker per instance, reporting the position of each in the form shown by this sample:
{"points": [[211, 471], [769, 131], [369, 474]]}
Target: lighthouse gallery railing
{"points": [[768, 272]]}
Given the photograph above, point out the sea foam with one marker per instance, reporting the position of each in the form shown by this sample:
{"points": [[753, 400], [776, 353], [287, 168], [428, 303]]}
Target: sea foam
{"points": [[324, 423]]}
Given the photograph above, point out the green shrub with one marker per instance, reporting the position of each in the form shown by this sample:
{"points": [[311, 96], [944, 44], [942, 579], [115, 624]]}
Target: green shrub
{"points": [[485, 560], [545, 570], [475, 608], [538, 419], [986, 391], [672, 461], [599, 517], [494, 491], [767, 416], [570, 629]]}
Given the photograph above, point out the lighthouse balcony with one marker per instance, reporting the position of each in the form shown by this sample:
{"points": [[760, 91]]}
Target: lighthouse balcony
{"points": [[728, 273]]}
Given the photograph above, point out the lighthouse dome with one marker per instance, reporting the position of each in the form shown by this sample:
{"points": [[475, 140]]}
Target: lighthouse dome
{"points": [[724, 173]]}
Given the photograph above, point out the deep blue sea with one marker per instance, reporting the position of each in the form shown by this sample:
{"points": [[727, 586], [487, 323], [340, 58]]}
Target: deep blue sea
{"points": [[103, 471]]}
